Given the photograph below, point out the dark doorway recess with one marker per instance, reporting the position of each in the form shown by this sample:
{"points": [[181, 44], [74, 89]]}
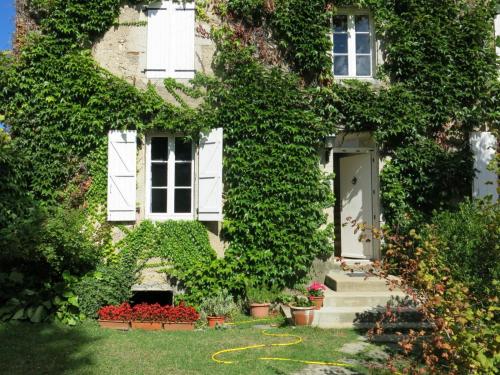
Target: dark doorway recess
{"points": [[163, 297]]}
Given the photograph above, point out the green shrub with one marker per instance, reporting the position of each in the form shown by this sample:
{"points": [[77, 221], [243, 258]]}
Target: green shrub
{"points": [[110, 284], [184, 244], [469, 244], [451, 268]]}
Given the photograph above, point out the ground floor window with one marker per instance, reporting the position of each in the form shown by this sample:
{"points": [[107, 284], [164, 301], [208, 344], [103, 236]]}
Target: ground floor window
{"points": [[170, 175]]}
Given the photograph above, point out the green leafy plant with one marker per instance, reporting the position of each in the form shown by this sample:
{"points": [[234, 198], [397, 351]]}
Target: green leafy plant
{"points": [[442, 268], [260, 294], [301, 301], [219, 304]]}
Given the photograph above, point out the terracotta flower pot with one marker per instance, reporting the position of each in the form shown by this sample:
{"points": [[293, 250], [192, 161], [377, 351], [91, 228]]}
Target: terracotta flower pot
{"points": [[147, 326], [259, 310], [302, 316], [213, 321], [121, 325], [318, 301], [178, 326]]}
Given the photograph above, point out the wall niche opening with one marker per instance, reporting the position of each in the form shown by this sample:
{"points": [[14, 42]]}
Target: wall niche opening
{"points": [[163, 297]]}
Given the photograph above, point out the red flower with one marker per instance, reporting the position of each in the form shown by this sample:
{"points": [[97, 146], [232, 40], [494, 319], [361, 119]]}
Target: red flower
{"points": [[150, 312], [122, 312]]}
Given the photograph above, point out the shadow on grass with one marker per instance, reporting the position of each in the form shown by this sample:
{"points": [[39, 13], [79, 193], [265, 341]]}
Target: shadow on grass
{"points": [[44, 349]]}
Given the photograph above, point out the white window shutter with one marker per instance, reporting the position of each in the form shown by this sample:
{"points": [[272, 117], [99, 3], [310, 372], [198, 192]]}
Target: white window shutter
{"points": [[121, 175], [210, 176], [497, 29], [157, 45], [483, 145], [181, 39]]}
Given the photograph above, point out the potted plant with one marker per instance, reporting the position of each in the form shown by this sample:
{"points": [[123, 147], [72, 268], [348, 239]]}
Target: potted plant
{"points": [[216, 308], [259, 300], [179, 318], [147, 316], [115, 317], [316, 294], [302, 311]]}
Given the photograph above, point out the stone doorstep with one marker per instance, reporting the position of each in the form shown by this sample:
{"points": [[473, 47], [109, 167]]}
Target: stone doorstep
{"points": [[354, 298], [339, 281]]}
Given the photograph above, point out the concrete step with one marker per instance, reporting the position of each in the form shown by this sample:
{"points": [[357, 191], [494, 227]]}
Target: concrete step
{"points": [[350, 282], [337, 317], [360, 299], [359, 317]]}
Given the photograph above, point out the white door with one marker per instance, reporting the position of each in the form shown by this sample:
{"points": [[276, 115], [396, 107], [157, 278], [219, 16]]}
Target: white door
{"points": [[355, 182]]}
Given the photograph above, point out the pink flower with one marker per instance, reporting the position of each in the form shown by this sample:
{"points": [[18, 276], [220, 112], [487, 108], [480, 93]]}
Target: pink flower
{"points": [[316, 289]]}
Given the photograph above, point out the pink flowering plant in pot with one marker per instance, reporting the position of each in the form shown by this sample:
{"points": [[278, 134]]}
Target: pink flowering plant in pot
{"points": [[316, 294]]}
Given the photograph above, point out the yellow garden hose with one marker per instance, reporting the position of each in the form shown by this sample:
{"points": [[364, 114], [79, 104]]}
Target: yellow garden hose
{"points": [[297, 340]]}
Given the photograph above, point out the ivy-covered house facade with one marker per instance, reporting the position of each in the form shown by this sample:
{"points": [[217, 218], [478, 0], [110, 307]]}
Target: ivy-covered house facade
{"points": [[163, 176], [287, 128]]}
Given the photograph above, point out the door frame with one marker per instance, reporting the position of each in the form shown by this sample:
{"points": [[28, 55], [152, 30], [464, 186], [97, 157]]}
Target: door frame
{"points": [[375, 196]]}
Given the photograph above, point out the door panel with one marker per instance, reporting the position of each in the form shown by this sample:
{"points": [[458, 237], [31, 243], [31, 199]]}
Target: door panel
{"points": [[355, 182]]}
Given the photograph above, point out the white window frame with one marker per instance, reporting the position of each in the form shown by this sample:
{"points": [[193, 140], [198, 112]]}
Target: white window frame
{"points": [[169, 215], [351, 44]]}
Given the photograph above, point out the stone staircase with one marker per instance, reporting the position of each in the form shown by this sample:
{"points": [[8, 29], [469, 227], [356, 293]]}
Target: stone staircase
{"points": [[353, 300]]}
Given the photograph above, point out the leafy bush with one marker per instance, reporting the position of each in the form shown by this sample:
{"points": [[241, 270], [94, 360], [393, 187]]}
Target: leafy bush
{"points": [[450, 269], [42, 248], [220, 304], [469, 241], [184, 243], [110, 284]]}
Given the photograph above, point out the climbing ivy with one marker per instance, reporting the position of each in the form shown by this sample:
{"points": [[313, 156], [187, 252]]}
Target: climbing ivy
{"points": [[274, 94], [275, 192]]}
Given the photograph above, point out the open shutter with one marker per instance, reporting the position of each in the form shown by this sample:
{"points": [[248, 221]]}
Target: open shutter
{"points": [[483, 145], [497, 28], [210, 176], [157, 46], [121, 175], [182, 39]]}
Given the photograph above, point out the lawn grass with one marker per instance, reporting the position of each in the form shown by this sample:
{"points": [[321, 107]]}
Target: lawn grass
{"points": [[87, 349]]}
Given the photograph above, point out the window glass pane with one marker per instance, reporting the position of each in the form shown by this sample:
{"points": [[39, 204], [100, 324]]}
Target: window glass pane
{"points": [[182, 149], [362, 23], [340, 67], [182, 201], [183, 174], [340, 24], [339, 43], [159, 200], [159, 148], [158, 174], [363, 65], [362, 43]]}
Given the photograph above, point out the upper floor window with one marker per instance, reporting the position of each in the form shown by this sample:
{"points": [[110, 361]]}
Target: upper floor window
{"points": [[352, 45], [170, 45]]}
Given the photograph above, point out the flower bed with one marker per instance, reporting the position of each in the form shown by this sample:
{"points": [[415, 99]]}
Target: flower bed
{"points": [[115, 317], [148, 317]]}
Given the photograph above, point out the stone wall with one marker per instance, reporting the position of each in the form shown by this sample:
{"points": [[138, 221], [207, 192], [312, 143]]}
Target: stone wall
{"points": [[122, 50]]}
